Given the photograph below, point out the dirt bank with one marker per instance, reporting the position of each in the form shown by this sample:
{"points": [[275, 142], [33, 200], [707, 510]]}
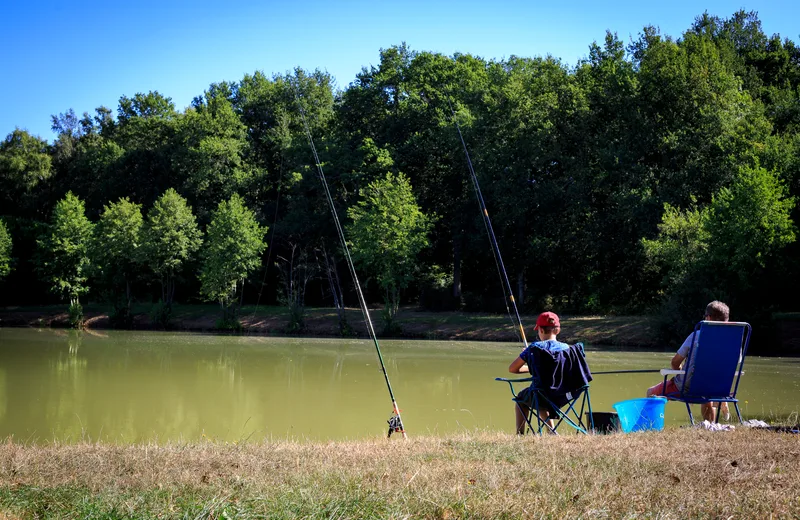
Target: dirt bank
{"points": [[413, 324]]}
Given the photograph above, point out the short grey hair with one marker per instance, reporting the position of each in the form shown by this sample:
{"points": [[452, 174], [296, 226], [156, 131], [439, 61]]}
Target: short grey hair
{"points": [[717, 311]]}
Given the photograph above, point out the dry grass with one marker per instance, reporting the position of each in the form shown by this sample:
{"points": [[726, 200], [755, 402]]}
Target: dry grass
{"points": [[673, 474]]}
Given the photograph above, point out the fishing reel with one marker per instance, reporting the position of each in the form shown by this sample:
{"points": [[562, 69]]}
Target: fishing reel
{"points": [[395, 425]]}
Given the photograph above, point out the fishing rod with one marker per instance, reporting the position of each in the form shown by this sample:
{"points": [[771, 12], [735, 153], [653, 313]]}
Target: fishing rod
{"points": [[508, 292], [395, 421]]}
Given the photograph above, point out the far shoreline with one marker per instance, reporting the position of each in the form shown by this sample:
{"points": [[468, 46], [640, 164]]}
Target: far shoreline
{"points": [[632, 332], [619, 331]]}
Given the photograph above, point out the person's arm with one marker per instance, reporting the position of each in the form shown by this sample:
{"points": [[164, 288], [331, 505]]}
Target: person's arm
{"points": [[518, 366], [676, 362], [682, 353]]}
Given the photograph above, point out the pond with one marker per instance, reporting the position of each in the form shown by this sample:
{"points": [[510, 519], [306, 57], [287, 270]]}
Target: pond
{"points": [[127, 387]]}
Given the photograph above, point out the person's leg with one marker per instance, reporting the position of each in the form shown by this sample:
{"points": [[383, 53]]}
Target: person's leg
{"points": [[709, 411], [724, 411], [520, 414], [544, 415], [656, 390], [659, 389]]}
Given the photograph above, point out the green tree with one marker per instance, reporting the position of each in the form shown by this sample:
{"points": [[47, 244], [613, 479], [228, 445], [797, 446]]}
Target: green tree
{"points": [[170, 237], [115, 251], [748, 222], [213, 152], [5, 251], [64, 253], [681, 244], [233, 247], [387, 232], [725, 247], [402, 108], [743, 226], [92, 172], [25, 165], [146, 130]]}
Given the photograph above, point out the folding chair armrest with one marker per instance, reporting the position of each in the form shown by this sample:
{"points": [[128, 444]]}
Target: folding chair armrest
{"points": [[525, 380], [512, 381], [669, 372]]}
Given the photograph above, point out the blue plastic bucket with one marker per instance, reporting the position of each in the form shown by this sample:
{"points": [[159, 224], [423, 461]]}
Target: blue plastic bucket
{"points": [[637, 415]]}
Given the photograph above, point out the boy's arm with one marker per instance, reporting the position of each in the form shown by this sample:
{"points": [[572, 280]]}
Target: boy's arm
{"points": [[676, 362], [518, 366]]}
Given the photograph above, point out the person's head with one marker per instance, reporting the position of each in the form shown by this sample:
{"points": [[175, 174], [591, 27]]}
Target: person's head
{"points": [[547, 324], [717, 311]]}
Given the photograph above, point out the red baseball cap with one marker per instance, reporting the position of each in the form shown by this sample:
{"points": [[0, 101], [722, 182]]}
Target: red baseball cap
{"points": [[547, 319]]}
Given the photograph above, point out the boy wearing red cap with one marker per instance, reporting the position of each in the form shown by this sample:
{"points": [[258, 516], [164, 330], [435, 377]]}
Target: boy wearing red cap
{"points": [[547, 326]]}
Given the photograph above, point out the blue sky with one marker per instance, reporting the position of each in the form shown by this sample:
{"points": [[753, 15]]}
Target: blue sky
{"points": [[83, 54]]}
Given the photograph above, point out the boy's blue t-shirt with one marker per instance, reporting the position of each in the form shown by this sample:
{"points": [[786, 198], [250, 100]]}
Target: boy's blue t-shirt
{"points": [[550, 345]]}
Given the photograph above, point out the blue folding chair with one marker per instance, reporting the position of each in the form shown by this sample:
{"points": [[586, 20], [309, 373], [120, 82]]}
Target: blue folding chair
{"points": [[563, 381], [713, 366]]}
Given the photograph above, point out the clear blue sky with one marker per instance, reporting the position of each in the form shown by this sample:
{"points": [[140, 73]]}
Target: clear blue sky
{"points": [[58, 55]]}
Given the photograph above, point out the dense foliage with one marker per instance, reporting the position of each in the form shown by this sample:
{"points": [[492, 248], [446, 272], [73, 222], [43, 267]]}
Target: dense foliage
{"points": [[63, 255], [388, 231], [233, 250], [5, 251], [115, 255], [653, 175], [170, 238]]}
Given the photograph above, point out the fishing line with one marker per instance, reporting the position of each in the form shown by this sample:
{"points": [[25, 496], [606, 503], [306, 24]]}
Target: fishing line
{"points": [[508, 292], [395, 421]]}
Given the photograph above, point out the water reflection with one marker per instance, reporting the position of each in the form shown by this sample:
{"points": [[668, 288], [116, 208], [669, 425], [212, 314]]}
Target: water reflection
{"points": [[133, 387]]}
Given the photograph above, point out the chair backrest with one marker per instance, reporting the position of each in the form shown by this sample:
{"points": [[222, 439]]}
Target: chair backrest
{"points": [[562, 371], [716, 359]]}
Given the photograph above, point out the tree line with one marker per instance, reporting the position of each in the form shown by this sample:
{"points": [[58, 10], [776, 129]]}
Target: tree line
{"points": [[649, 177]]}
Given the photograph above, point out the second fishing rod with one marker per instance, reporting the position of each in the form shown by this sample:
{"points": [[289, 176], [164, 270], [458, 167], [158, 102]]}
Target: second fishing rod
{"points": [[395, 421], [505, 283]]}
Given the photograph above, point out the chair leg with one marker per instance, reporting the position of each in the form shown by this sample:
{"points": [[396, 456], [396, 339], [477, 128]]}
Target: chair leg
{"points": [[520, 418], [564, 417], [533, 412], [580, 415], [591, 416], [691, 417], [738, 414], [560, 416], [540, 424]]}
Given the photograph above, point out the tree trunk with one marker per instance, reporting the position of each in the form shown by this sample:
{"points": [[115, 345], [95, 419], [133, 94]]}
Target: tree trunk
{"points": [[520, 289], [336, 288], [457, 267], [170, 291], [164, 289]]}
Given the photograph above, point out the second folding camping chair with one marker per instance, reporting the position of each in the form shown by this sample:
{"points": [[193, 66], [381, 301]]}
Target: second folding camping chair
{"points": [[713, 365], [559, 382]]}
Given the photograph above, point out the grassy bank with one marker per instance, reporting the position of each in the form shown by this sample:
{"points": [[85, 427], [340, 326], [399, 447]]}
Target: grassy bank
{"points": [[672, 474], [414, 324]]}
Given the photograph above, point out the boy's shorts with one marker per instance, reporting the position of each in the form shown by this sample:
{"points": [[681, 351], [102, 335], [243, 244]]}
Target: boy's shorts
{"points": [[658, 389]]}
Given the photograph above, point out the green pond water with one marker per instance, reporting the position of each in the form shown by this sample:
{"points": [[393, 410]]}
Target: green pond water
{"points": [[130, 387]]}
